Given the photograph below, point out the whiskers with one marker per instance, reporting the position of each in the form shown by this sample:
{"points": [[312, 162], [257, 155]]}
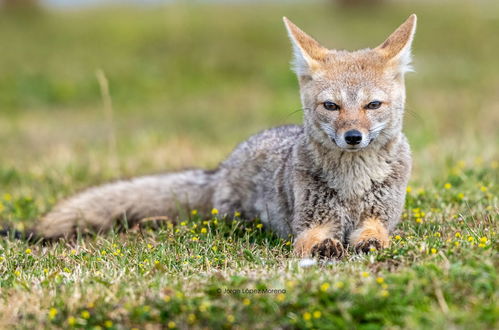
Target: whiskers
{"points": [[376, 129], [414, 114], [296, 111]]}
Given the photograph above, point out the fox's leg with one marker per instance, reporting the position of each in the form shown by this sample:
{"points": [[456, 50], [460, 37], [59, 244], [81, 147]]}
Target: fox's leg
{"points": [[318, 222], [319, 241], [371, 234]]}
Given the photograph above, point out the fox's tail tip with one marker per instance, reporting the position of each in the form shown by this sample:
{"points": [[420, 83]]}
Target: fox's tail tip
{"points": [[28, 235]]}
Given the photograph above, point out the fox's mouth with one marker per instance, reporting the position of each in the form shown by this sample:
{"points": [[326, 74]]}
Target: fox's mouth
{"points": [[352, 148]]}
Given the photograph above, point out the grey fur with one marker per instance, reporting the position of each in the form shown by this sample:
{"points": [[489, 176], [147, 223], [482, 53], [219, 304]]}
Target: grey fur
{"points": [[279, 176]]}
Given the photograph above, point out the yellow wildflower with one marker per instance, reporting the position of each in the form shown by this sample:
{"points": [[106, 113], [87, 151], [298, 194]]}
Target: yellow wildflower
{"points": [[419, 220], [171, 325], [483, 239], [237, 214], [447, 186], [433, 250], [230, 318], [380, 280], [204, 230], [324, 287], [85, 314], [458, 235], [397, 237], [53, 313], [365, 274], [409, 189], [191, 318], [482, 245], [384, 293], [460, 196], [214, 211], [483, 188], [71, 321], [317, 314], [280, 297], [17, 273], [246, 302], [307, 316], [183, 223], [339, 285], [194, 212], [259, 226], [204, 306], [195, 239], [28, 251], [7, 197], [471, 238], [108, 324]]}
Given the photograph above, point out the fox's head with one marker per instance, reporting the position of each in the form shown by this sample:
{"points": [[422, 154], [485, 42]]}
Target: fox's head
{"points": [[353, 99]]}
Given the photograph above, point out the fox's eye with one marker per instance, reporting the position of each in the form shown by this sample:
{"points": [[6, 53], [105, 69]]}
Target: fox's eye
{"points": [[373, 105], [328, 105]]}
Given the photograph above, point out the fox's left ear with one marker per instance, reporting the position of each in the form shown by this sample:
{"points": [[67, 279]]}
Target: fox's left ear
{"points": [[397, 48]]}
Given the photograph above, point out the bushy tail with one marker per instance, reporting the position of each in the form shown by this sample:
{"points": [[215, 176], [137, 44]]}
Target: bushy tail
{"points": [[100, 208]]}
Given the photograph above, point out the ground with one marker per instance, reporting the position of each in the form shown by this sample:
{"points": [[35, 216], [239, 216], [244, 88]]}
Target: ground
{"points": [[187, 83]]}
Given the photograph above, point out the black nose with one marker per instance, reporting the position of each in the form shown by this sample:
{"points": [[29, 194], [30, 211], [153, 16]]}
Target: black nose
{"points": [[353, 137]]}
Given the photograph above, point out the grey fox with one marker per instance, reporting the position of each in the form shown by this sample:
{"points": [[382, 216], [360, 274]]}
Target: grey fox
{"points": [[338, 180]]}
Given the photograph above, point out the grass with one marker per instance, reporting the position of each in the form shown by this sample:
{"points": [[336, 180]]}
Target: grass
{"points": [[186, 87]]}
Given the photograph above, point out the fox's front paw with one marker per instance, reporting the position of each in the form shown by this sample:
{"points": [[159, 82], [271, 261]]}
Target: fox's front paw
{"points": [[371, 235], [367, 245], [328, 249], [316, 241]]}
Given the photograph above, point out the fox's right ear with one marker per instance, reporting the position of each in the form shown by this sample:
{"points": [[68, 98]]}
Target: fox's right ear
{"points": [[308, 53]]}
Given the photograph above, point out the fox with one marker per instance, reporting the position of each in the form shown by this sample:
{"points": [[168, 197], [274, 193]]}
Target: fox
{"points": [[334, 183]]}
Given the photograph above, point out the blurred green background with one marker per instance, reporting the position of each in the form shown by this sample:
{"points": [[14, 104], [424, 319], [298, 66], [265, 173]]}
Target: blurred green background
{"points": [[189, 80]]}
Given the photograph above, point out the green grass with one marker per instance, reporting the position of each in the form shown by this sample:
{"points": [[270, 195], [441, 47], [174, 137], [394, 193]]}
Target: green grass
{"points": [[188, 82]]}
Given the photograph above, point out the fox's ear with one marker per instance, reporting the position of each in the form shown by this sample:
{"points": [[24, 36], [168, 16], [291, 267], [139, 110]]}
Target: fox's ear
{"points": [[308, 53], [397, 48]]}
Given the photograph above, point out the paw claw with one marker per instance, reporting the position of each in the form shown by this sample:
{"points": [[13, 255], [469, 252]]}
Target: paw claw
{"points": [[368, 245], [328, 249]]}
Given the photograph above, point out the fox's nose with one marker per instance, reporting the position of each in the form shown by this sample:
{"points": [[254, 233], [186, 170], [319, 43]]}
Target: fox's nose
{"points": [[353, 137]]}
